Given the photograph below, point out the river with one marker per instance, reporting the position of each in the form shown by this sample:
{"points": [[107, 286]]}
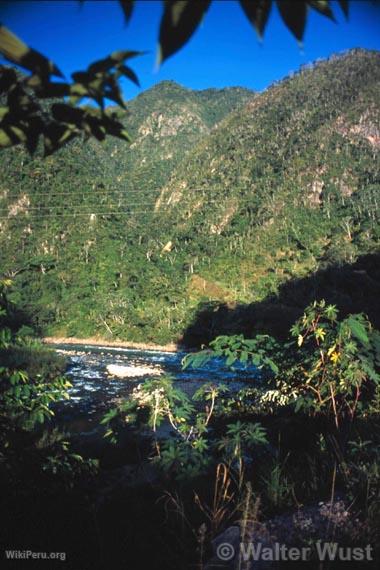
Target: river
{"points": [[94, 391]]}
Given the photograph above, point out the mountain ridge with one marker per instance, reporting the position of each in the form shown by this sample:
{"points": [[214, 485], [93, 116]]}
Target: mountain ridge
{"points": [[223, 196]]}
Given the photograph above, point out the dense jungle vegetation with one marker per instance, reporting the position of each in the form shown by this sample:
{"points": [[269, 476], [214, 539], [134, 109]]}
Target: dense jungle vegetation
{"points": [[248, 223], [293, 456], [130, 242]]}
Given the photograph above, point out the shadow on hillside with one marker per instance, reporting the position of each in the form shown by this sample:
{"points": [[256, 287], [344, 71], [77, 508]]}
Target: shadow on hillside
{"points": [[353, 288]]}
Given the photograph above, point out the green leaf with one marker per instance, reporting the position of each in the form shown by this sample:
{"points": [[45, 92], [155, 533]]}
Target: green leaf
{"points": [[257, 13], [67, 114], [196, 359], [40, 418], [5, 139], [77, 457], [114, 59], [244, 356], [8, 79], [111, 414], [16, 51], [358, 328], [49, 90], [255, 433], [344, 6], [129, 73], [127, 7], [331, 312], [57, 135], [294, 16], [323, 7], [231, 359], [272, 365], [180, 20]]}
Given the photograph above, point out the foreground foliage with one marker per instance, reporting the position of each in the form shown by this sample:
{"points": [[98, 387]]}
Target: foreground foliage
{"points": [[30, 451], [330, 368], [217, 457], [327, 373]]}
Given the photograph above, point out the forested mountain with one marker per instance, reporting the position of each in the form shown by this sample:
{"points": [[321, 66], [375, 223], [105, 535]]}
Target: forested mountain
{"points": [[224, 196]]}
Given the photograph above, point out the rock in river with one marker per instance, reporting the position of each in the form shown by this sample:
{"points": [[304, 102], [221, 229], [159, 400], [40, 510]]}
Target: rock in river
{"points": [[132, 371]]}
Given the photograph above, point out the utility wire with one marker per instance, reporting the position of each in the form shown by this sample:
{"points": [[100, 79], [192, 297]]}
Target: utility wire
{"points": [[86, 193], [72, 214], [163, 207], [75, 214], [75, 193]]}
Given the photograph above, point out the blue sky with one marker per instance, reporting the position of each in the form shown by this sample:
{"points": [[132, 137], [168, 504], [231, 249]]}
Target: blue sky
{"points": [[224, 52]]}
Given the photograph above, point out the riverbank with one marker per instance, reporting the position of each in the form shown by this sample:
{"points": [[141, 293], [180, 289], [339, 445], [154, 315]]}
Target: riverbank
{"points": [[97, 341]]}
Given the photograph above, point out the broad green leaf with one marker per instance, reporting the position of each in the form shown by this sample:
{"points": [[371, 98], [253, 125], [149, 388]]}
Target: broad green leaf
{"points": [[11, 135], [94, 128], [129, 73], [244, 356], [294, 16], [16, 51], [55, 135], [257, 13], [180, 20], [358, 329], [231, 359], [40, 417], [77, 457], [323, 7], [49, 90], [8, 79], [67, 114], [345, 7], [114, 59], [272, 365], [83, 77], [127, 7], [5, 139]]}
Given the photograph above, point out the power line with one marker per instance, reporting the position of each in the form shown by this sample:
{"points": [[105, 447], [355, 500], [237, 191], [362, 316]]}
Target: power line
{"points": [[88, 193], [163, 207], [71, 214], [75, 193], [60, 206], [83, 209]]}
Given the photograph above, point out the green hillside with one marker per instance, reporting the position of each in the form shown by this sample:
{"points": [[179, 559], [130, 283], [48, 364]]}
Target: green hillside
{"points": [[223, 197]]}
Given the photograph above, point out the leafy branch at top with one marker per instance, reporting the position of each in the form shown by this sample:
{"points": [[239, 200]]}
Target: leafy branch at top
{"points": [[34, 107]]}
